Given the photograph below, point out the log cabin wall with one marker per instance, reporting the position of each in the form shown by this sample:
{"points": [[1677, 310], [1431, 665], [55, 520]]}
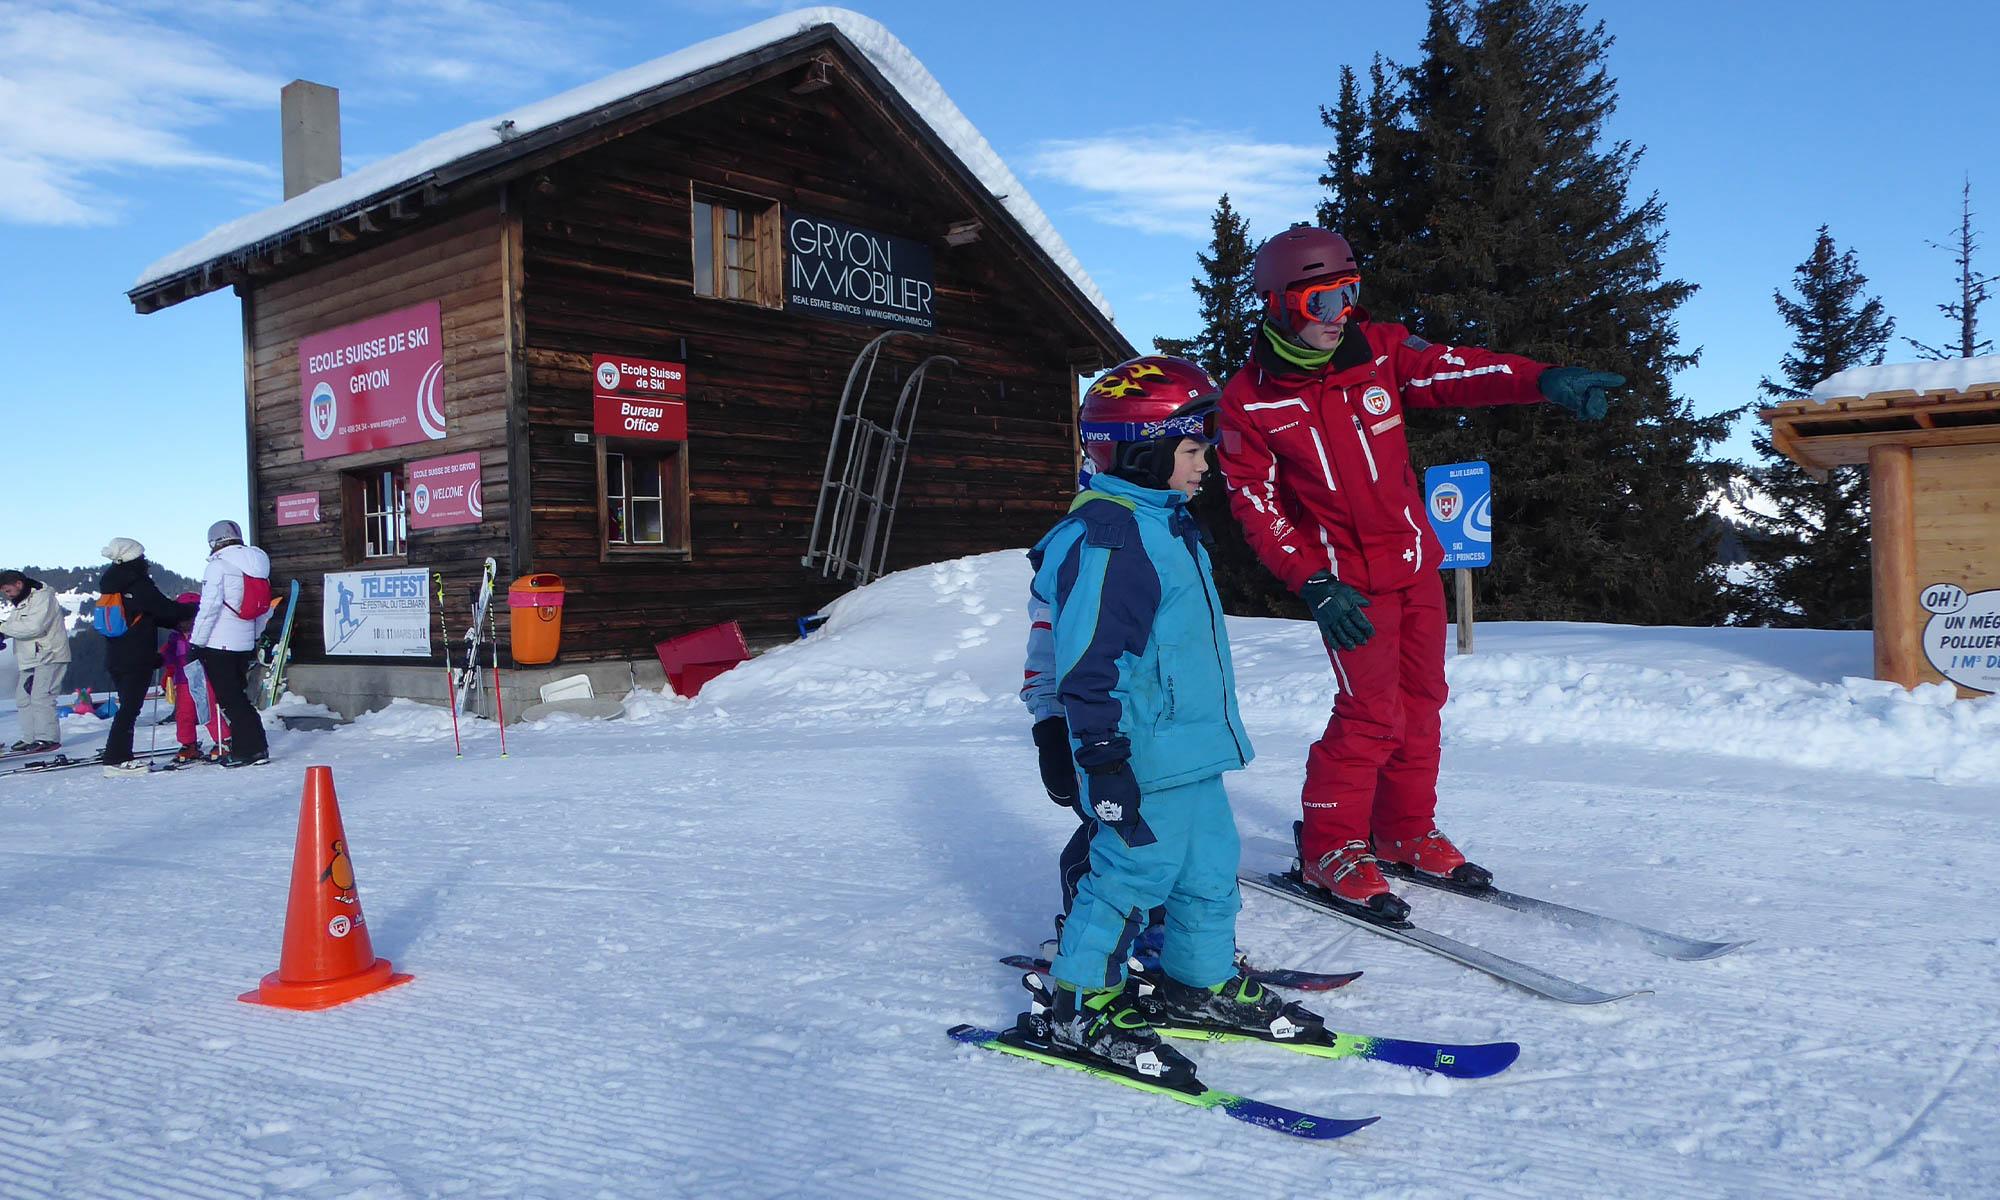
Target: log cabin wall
{"points": [[457, 262], [607, 268]]}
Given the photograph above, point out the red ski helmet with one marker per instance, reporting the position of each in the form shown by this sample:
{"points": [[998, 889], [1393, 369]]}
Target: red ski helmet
{"points": [[1300, 255], [1137, 406]]}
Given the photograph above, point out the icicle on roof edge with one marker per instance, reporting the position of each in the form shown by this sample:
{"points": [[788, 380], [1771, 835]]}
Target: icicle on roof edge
{"points": [[911, 79], [1941, 375]]}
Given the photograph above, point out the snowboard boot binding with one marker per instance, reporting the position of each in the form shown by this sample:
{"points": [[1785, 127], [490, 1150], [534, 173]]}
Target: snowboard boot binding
{"points": [[1106, 1028], [1433, 857], [1238, 1004]]}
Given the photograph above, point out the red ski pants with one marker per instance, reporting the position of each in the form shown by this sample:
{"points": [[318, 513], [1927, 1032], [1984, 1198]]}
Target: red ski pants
{"points": [[1374, 772]]}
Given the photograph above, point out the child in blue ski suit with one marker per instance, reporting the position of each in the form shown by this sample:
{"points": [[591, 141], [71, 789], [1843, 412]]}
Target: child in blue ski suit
{"points": [[1143, 679]]}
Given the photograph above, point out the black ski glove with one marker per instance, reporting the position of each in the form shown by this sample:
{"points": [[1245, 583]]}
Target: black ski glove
{"points": [[1337, 609], [1112, 791], [1580, 390], [1058, 768]]}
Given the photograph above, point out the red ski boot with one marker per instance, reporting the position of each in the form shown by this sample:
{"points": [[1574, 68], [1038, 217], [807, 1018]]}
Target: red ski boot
{"points": [[1433, 858], [1349, 876]]}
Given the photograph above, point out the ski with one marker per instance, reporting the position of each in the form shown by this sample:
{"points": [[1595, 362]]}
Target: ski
{"points": [[281, 652], [1660, 942], [468, 679], [1297, 981], [63, 762], [1438, 1058], [1533, 979], [1253, 1112]]}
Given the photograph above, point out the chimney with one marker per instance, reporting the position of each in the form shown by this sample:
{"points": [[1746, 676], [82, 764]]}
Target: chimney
{"points": [[310, 116]]}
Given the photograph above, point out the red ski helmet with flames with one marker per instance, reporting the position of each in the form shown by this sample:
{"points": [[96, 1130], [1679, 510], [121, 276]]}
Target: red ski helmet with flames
{"points": [[1139, 405]]}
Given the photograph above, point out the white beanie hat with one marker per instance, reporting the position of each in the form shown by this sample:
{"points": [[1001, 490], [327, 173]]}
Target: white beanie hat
{"points": [[123, 550]]}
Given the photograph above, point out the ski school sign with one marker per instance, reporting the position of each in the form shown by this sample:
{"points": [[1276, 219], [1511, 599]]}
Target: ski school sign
{"points": [[377, 613], [638, 398], [373, 384], [445, 491], [833, 269]]}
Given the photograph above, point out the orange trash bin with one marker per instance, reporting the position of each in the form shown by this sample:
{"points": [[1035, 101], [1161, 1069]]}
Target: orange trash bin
{"points": [[534, 614]]}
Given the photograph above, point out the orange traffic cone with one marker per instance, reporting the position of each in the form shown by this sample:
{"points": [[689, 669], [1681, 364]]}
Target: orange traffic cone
{"points": [[327, 958]]}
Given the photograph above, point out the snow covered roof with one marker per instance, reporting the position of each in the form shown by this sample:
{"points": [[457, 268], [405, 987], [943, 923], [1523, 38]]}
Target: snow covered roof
{"points": [[1923, 378], [908, 76]]}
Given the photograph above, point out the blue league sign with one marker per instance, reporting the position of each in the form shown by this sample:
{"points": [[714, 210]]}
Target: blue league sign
{"points": [[1459, 499]]}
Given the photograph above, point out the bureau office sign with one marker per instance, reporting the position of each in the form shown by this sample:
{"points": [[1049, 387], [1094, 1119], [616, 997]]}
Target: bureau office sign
{"points": [[833, 269]]}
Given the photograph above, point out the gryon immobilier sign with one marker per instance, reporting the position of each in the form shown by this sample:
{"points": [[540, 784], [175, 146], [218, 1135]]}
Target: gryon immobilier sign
{"points": [[833, 269]]}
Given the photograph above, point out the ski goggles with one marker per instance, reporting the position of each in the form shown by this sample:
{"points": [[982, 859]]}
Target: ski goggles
{"points": [[1326, 302], [1203, 426]]}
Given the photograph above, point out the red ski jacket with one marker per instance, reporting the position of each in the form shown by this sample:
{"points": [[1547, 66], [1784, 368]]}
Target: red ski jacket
{"points": [[1317, 462]]}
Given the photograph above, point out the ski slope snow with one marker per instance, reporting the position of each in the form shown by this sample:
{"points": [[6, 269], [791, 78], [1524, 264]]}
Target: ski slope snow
{"points": [[711, 949]]}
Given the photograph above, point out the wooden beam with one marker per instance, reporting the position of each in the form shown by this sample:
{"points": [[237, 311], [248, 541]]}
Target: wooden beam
{"points": [[1893, 564], [1847, 449]]}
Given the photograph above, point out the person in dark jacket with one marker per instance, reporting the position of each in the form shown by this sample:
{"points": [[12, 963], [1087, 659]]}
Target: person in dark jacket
{"points": [[134, 655]]}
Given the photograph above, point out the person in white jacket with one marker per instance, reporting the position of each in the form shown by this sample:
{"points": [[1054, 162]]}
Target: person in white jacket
{"points": [[41, 651], [235, 607]]}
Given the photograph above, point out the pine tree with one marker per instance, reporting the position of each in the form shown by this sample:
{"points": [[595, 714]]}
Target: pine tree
{"points": [[1809, 558], [1229, 314], [1496, 214], [1228, 305], [1349, 122], [1971, 292]]}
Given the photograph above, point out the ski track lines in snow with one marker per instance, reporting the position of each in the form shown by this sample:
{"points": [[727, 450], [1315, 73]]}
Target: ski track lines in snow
{"points": [[712, 949]]}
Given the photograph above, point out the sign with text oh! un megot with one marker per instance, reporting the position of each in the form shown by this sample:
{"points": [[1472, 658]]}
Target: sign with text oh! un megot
{"points": [[1459, 499], [373, 384], [638, 398], [833, 269]]}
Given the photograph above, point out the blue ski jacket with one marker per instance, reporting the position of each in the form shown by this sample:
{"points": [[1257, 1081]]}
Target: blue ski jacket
{"points": [[1140, 648]]}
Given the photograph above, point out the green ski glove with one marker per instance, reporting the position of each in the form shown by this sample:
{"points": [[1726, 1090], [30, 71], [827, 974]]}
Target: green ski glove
{"points": [[1337, 609], [1580, 390]]}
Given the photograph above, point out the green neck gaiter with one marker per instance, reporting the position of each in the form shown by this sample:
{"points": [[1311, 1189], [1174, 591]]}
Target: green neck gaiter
{"points": [[1299, 356]]}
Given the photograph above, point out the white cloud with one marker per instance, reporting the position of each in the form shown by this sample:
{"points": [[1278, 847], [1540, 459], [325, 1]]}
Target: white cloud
{"points": [[1166, 180], [93, 93], [87, 91]]}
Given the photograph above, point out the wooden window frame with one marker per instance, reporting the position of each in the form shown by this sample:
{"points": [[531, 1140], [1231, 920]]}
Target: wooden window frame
{"points": [[677, 545], [764, 216], [354, 515]]}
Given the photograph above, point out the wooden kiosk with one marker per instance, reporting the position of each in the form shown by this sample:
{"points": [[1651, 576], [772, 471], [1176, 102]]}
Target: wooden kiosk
{"points": [[1929, 434]]}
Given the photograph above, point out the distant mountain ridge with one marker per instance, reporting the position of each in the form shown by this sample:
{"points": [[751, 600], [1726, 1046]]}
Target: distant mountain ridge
{"points": [[84, 579]]}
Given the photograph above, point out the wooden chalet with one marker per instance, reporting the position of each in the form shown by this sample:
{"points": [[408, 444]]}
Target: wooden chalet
{"points": [[1929, 436], [712, 340]]}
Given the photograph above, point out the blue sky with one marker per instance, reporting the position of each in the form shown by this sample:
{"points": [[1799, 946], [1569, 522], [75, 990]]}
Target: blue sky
{"points": [[128, 130]]}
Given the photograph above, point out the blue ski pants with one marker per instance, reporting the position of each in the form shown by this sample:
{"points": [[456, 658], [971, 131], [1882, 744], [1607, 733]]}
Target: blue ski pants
{"points": [[1190, 868]]}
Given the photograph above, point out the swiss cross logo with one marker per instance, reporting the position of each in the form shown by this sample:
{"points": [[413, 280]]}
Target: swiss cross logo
{"points": [[1446, 501], [1376, 401]]}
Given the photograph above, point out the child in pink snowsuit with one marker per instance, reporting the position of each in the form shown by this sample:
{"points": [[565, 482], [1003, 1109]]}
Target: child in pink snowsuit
{"points": [[177, 662]]}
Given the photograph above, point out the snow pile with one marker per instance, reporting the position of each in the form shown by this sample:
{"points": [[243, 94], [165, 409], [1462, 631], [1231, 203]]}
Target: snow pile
{"points": [[411, 720], [1942, 375], [905, 74], [942, 645]]}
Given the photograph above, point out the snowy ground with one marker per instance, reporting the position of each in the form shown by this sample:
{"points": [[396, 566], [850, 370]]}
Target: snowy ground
{"points": [[711, 949]]}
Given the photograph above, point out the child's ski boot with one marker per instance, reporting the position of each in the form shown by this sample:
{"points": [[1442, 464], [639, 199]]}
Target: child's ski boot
{"points": [[1238, 1004], [1105, 1028]]}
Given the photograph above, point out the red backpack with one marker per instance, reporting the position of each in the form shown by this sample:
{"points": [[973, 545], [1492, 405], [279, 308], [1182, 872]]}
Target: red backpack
{"points": [[256, 598]]}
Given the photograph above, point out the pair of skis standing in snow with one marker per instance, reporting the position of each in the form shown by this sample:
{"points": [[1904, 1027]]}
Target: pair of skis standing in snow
{"points": [[1130, 680]]}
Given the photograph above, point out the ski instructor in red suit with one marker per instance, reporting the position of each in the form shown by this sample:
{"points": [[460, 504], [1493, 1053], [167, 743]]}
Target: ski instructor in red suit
{"points": [[1318, 468]]}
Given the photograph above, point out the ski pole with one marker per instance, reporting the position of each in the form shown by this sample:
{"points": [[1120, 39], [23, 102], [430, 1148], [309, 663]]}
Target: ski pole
{"points": [[450, 686], [499, 710]]}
